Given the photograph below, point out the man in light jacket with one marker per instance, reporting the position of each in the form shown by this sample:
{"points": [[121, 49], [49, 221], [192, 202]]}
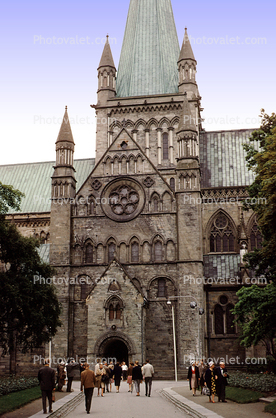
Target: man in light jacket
{"points": [[88, 381], [148, 372]]}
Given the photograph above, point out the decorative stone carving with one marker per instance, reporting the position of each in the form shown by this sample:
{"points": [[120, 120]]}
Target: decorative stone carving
{"points": [[96, 184], [148, 182]]}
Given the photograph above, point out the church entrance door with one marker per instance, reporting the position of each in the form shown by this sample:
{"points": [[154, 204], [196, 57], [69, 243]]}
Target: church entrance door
{"points": [[115, 350]]}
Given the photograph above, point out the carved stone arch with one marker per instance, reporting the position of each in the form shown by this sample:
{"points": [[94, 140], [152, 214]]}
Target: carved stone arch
{"points": [[158, 249], [164, 277], [167, 200], [115, 162], [129, 124], [114, 296], [175, 121], [134, 250], [115, 335], [140, 122], [170, 250], [146, 251], [154, 202], [116, 124], [92, 205], [124, 163], [164, 121], [253, 233], [114, 287], [208, 230], [152, 122]]}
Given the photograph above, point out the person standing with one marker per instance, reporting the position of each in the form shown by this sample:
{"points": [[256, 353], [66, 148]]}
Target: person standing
{"points": [[88, 382], [210, 381], [117, 373], [221, 381], [137, 377], [107, 377], [111, 367], [193, 377], [47, 379], [100, 377], [129, 377], [61, 375], [124, 369], [148, 372], [202, 370], [70, 374]]}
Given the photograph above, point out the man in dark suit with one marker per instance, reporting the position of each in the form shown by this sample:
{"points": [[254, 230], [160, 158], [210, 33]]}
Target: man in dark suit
{"points": [[73, 370], [221, 381], [47, 380]]}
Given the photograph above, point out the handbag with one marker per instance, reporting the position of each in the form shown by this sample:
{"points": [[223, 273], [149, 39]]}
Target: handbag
{"points": [[206, 391]]}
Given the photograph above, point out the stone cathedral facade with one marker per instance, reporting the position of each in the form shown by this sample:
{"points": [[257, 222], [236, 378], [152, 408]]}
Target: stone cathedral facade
{"points": [[156, 217]]}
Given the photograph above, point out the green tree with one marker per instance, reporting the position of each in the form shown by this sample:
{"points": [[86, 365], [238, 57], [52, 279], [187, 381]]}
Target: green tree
{"points": [[29, 308], [256, 309], [263, 196]]}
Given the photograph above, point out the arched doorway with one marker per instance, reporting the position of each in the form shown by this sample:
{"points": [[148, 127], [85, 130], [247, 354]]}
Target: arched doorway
{"points": [[114, 349]]}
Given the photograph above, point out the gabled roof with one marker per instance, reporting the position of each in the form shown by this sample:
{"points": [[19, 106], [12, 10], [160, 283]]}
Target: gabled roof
{"points": [[148, 63], [34, 180]]}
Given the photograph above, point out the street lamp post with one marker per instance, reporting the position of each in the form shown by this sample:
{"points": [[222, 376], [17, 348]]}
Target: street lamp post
{"points": [[193, 305]]}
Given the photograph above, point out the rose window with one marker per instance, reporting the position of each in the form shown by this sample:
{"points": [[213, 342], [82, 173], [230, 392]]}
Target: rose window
{"points": [[124, 200]]}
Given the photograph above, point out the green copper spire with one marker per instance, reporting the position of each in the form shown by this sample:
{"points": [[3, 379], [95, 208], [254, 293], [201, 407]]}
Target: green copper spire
{"points": [[150, 52]]}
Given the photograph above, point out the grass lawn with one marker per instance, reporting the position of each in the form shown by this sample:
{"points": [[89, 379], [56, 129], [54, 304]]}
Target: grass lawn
{"points": [[271, 408], [241, 395], [15, 400]]}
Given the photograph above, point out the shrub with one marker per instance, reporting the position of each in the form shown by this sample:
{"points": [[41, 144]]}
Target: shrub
{"points": [[271, 408], [241, 395], [15, 384], [264, 382]]}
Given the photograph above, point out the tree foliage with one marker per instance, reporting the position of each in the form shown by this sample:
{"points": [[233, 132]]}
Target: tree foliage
{"points": [[10, 198], [263, 196], [256, 308], [256, 312], [29, 309]]}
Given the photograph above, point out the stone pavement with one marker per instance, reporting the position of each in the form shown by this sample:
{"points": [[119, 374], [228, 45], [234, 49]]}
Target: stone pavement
{"points": [[225, 410]]}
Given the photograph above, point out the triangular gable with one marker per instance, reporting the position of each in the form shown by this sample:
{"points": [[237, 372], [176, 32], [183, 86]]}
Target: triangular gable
{"points": [[116, 149], [114, 266]]}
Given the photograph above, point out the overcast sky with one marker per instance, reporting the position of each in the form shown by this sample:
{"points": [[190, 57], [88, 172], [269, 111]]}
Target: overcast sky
{"points": [[44, 67]]}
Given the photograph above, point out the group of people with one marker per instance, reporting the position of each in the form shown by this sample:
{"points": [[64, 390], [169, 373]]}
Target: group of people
{"points": [[105, 375], [214, 378]]}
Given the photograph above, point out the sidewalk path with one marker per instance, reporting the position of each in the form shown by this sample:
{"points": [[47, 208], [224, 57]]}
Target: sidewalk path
{"points": [[225, 410]]}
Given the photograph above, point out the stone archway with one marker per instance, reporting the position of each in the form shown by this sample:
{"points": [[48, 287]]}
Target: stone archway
{"points": [[114, 349]]}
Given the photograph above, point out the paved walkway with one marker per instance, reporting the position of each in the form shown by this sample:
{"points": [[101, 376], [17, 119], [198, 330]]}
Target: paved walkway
{"points": [[225, 410], [128, 405]]}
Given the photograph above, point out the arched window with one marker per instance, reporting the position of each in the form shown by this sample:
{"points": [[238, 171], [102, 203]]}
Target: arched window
{"points": [[165, 146], [155, 204], [222, 236], [161, 288], [135, 252], [84, 290], [111, 252], [172, 184], [118, 311], [219, 327], [230, 326], [255, 238], [111, 312], [158, 256], [89, 254]]}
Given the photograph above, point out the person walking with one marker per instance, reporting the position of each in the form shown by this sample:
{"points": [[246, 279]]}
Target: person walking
{"points": [[47, 379], [210, 381], [117, 373], [106, 377], [129, 377], [221, 381], [100, 373], [193, 377], [111, 367], [88, 381], [137, 377], [148, 372]]}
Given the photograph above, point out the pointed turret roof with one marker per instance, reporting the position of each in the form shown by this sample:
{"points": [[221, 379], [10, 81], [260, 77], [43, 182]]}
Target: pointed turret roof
{"points": [[187, 121], [65, 133], [107, 58], [148, 62], [186, 50]]}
